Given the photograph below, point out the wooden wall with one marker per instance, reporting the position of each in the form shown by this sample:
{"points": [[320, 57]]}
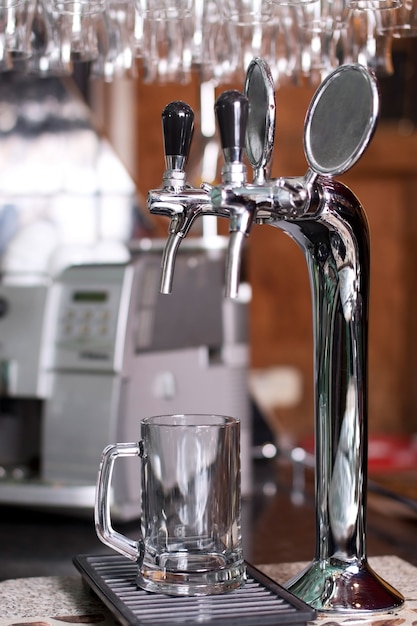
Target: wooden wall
{"points": [[280, 323]]}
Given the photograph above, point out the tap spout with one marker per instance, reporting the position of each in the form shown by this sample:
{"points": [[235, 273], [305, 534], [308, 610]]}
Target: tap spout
{"points": [[168, 262], [183, 208], [233, 263], [240, 225]]}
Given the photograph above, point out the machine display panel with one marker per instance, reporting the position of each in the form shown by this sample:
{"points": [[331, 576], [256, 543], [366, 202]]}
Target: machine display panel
{"points": [[90, 296]]}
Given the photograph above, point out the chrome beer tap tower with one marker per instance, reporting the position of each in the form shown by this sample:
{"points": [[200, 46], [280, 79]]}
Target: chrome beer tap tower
{"points": [[328, 223]]}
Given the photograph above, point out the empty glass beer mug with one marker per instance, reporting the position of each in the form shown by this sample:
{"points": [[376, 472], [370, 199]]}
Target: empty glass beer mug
{"points": [[190, 540]]}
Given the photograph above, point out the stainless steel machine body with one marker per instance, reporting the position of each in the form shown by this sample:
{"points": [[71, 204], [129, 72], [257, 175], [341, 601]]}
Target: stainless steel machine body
{"points": [[328, 223], [89, 354]]}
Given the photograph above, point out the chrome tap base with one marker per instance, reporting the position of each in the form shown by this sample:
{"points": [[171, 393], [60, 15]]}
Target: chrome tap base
{"points": [[344, 587]]}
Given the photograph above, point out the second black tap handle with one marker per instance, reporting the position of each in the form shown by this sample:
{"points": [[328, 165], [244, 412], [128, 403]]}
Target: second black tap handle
{"points": [[177, 126], [232, 116]]}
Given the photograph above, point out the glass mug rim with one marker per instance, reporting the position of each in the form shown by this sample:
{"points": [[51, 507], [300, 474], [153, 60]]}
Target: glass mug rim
{"points": [[190, 420]]}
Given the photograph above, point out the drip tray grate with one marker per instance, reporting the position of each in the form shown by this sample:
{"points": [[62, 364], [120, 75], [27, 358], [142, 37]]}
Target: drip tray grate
{"points": [[259, 601]]}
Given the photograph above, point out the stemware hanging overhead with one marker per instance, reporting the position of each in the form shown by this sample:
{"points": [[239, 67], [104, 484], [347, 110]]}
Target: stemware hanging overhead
{"points": [[216, 39]]}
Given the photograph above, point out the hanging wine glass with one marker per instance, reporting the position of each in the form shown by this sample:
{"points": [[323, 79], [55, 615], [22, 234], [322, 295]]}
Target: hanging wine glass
{"points": [[321, 26], [400, 22], [116, 42], [246, 11], [16, 19], [49, 55], [79, 22], [215, 53], [286, 67], [162, 39], [367, 44]]}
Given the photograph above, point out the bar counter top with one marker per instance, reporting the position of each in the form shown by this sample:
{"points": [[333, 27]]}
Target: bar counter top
{"points": [[56, 600], [40, 585]]}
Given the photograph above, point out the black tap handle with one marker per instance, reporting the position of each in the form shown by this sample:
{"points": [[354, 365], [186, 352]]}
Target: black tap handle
{"points": [[177, 126], [232, 115]]}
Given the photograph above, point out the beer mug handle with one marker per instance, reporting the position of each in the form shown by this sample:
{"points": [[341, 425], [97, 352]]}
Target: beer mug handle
{"points": [[104, 529]]}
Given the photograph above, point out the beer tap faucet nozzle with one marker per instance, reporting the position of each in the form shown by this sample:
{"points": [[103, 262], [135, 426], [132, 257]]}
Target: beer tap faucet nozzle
{"points": [[232, 116], [168, 262], [173, 199]]}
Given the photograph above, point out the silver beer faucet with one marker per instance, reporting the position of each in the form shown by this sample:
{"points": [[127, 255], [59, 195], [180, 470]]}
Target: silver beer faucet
{"points": [[232, 109], [176, 199], [328, 223]]}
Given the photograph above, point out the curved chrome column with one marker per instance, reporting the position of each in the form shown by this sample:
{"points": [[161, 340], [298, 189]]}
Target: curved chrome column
{"points": [[335, 242]]}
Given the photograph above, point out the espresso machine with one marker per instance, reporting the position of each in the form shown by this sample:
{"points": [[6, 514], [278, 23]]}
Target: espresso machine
{"points": [[327, 222], [88, 346], [85, 356]]}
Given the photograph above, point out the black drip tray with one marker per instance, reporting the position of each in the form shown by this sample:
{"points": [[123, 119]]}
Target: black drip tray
{"points": [[259, 601]]}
